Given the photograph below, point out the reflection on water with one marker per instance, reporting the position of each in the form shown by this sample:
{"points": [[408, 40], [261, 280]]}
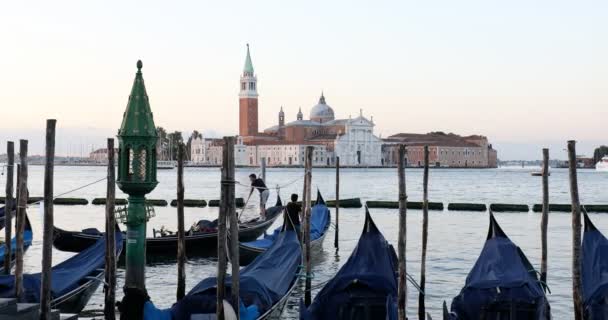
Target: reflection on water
{"points": [[455, 238]]}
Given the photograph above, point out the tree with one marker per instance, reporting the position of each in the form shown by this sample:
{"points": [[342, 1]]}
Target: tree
{"points": [[175, 138], [599, 153], [195, 134], [162, 151]]}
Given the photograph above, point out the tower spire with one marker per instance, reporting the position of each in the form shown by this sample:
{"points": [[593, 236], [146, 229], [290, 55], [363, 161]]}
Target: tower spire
{"points": [[248, 69]]}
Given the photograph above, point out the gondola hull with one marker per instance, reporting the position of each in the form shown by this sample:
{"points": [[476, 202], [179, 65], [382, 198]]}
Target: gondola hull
{"points": [[76, 300], [248, 253], [200, 245]]}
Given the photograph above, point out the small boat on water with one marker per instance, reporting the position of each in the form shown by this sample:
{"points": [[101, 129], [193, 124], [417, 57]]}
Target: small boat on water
{"points": [[502, 284], [165, 164], [265, 286], [602, 165], [594, 271], [27, 242], [73, 281], [201, 241], [538, 174], [365, 287], [320, 220]]}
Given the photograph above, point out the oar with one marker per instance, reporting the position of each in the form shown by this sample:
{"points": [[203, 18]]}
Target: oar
{"points": [[239, 219]]}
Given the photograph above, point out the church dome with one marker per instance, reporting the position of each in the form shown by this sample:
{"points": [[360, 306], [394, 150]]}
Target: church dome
{"points": [[321, 112]]}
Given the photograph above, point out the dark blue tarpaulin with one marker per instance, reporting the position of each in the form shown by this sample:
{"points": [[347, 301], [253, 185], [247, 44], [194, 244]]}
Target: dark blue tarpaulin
{"points": [[366, 280], [502, 279], [594, 272], [319, 221], [262, 283], [65, 276]]}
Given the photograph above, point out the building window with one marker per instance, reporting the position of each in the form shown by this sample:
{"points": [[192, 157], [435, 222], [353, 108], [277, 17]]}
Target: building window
{"points": [[243, 86]]}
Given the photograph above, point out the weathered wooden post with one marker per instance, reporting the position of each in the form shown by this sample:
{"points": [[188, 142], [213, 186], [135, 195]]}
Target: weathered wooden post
{"points": [[110, 259], [425, 230], [181, 236], [9, 206], [47, 236], [402, 289], [227, 204], [544, 221], [263, 164], [306, 236], [20, 224], [234, 225], [336, 245], [576, 233]]}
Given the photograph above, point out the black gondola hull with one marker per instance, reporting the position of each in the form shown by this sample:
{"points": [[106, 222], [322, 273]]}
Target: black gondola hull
{"points": [[197, 245]]}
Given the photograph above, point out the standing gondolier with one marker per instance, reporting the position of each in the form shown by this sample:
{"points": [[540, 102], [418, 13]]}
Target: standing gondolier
{"points": [[292, 215], [258, 183]]}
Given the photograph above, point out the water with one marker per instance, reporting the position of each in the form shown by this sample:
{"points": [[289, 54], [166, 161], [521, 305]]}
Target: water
{"points": [[455, 238]]}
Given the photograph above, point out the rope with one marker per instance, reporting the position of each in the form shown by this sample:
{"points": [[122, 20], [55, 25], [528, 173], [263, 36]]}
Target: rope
{"points": [[70, 191], [271, 188]]}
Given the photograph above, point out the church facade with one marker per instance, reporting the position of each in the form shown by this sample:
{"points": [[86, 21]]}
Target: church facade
{"points": [[351, 139]]}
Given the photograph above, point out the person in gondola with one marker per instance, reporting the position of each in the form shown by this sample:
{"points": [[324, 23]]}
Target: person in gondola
{"points": [[258, 183], [291, 217]]}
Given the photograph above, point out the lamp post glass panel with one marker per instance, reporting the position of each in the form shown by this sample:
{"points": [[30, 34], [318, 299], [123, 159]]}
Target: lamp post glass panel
{"points": [[137, 175]]}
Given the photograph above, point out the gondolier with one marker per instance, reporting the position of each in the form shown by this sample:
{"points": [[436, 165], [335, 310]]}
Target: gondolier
{"points": [[258, 183], [291, 217]]}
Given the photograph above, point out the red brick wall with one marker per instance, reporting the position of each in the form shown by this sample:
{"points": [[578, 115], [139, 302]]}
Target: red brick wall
{"points": [[248, 116]]}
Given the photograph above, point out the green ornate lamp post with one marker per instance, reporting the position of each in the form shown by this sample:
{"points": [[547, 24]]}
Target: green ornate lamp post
{"points": [[136, 177]]}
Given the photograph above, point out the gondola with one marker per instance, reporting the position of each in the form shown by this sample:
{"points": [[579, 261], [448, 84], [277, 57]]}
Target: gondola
{"points": [[73, 281], [3, 216], [502, 284], [594, 272], [320, 220], [199, 243], [27, 242], [265, 286], [365, 287]]}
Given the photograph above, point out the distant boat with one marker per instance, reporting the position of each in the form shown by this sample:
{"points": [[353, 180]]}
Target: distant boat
{"points": [[169, 164], [539, 174], [602, 165]]}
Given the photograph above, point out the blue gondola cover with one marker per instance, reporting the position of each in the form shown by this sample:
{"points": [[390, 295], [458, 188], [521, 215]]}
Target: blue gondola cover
{"points": [[501, 279], [319, 220], [369, 274], [594, 272], [262, 283], [65, 277]]}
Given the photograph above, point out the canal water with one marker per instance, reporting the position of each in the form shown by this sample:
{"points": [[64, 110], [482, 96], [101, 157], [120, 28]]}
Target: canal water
{"points": [[455, 238]]}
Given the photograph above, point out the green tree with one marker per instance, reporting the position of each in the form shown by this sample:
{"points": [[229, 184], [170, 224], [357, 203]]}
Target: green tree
{"points": [[175, 138], [600, 152], [162, 151]]}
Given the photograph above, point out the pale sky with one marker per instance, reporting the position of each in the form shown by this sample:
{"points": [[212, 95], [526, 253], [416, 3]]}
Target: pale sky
{"points": [[527, 74]]}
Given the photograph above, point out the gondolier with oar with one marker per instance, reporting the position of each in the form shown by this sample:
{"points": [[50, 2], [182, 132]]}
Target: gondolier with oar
{"points": [[292, 215], [258, 183]]}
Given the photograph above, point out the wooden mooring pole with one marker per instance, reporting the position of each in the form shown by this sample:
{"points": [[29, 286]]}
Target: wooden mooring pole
{"points": [[336, 245], [306, 201], [9, 206], [402, 289], [20, 223], [47, 236], [109, 310], [576, 233], [425, 235], [263, 165], [181, 239], [226, 201], [234, 227], [544, 221]]}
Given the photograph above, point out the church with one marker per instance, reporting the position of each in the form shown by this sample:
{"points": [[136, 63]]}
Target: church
{"points": [[351, 139]]}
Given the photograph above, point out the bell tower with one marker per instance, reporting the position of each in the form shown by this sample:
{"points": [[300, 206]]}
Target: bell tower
{"points": [[248, 100]]}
